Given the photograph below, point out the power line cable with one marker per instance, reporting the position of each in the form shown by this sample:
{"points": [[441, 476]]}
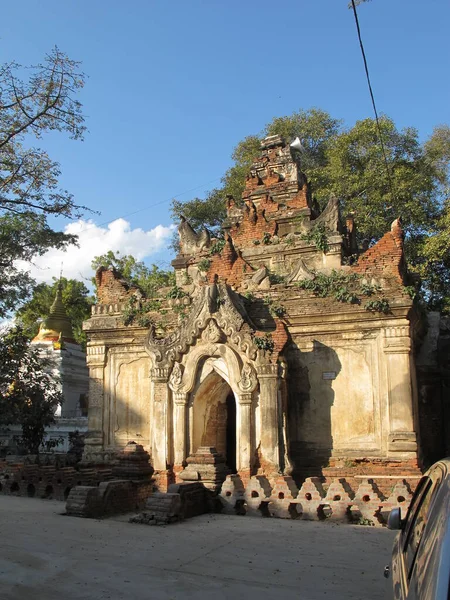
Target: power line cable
{"points": [[207, 183], [380, 134]]}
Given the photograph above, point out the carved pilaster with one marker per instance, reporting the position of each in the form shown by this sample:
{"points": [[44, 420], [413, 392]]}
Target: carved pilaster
{"points": [[95, 355], [245, 430], [160, 429], [267, 370], [160, 374], [96, 360], [245, 399], [176, 377], [397, 349], [248, 381], [397, 340], [180, 428], [268, 385]]}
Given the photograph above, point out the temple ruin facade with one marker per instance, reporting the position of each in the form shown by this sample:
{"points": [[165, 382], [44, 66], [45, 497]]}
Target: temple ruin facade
{"points": [[282, 351]]}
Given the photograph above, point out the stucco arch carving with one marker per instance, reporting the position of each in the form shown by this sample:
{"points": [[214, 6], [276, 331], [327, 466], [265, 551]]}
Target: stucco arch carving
{"points": [[235, 369], [217, 313]]}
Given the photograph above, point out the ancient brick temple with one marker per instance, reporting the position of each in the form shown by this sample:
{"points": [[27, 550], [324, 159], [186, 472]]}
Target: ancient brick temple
{"points": [[250, 366]]}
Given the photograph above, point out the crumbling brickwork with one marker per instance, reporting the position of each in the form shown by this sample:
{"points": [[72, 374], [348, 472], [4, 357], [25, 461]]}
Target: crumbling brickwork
{"points": [[228, 266], [111, 288], [321, 383], [47, 481], [108, 498], [358, 502], [386, 257]]}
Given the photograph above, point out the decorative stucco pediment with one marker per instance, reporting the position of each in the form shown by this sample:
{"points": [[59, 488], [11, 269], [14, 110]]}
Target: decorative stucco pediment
{"points": [[329, 217], [299, 271], [217, 314], [192, 242]]}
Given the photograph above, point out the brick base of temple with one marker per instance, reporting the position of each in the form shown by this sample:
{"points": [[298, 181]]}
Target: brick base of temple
{"points": [[357, 500], [363, 492], [47, 481]]}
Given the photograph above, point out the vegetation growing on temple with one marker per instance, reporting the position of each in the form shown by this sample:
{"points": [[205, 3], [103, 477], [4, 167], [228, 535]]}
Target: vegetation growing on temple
{"points": [[348, 163]]}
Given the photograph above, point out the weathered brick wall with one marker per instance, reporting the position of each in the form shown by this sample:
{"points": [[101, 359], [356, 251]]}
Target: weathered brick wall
{"points": [[228, 266], [254, 224], [109, 498], [111, 289], [385, 258], [357, 501], [47, 481]]}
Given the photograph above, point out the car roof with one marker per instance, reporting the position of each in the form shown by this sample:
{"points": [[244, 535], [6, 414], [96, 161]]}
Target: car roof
{"points": [[434, 551], [444, 463]]}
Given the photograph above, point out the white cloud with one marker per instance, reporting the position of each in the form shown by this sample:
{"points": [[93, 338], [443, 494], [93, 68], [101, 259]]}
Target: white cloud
{"points": [[95, 240]]}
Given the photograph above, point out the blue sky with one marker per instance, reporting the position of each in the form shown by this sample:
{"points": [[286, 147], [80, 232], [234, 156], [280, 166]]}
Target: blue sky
{"points": [[173, 86]]}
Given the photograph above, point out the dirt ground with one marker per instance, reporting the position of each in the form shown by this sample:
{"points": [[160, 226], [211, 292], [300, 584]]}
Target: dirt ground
{"points": [[47, 556]]}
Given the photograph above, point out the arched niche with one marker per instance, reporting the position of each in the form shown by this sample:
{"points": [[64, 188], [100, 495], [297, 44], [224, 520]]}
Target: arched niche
{"points": [[214, 374], [204, 358], [213, 415]]}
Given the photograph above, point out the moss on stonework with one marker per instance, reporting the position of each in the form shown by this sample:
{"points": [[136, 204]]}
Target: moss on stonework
{"points": [[264, 342], [136, 312], [348, 288], [275, 308], [317, 235], [204, 264]]}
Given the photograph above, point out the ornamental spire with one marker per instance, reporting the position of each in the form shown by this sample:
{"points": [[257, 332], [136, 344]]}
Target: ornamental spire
{"points": [[57, 326]]}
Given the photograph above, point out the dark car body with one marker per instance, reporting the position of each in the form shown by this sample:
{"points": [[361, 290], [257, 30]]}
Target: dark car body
{"points": [[420, 568]]}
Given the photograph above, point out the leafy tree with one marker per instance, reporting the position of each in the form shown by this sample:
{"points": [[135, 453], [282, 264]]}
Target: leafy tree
{"points": [[29, 187], [432, 262], [349, 164], [76, 299], [357, 174], [209, 212], [29, 391], [149, 279], [314, 127]]}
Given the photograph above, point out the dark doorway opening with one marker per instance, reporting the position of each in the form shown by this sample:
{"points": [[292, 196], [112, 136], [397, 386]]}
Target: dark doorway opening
{"points": [[231, 433]]}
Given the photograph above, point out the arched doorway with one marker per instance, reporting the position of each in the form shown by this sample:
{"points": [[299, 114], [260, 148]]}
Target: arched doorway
{"points": [[213, 417]]}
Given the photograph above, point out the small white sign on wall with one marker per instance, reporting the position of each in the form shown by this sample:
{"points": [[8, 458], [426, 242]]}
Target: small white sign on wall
{"points": [[329, 375]]}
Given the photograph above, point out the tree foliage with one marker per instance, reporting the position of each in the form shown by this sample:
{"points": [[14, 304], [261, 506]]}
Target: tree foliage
{"points": [[349, 164], [29, 390], [149, 279], [77, 301], [29, 179]]}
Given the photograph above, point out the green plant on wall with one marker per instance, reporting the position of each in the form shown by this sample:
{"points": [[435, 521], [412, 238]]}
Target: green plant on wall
{"points": [[317, 235], [365, 522], [275, 308], [367, 289], [204, 264], [180, 310], [381, 305], [264, 342], [411, 291], [187, 278], [336, 285], [136, 313], [266, 238], [345, 287], [175, 293], [275, 278], [217, 247], [289, 240]]}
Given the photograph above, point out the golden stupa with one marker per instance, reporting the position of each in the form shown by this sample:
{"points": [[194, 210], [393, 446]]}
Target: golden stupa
{"points": [[57, 326]]}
